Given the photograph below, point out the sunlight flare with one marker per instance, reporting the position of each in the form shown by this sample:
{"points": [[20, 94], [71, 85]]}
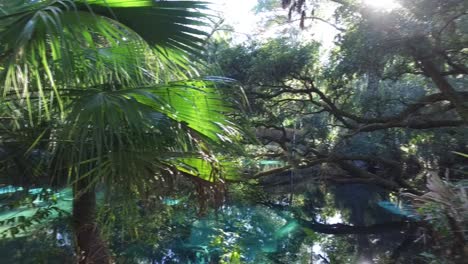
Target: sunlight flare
{"points": [[386, 5]]}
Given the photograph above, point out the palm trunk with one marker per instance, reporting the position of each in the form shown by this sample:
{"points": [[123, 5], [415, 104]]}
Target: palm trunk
{"points": [[90, 247]]}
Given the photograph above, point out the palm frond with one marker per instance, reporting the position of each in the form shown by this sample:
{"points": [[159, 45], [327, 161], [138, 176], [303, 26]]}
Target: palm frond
{"points": [[57, 44], [107, 129], [167, 24], [200, 105], [207, 168], [88, 68]]}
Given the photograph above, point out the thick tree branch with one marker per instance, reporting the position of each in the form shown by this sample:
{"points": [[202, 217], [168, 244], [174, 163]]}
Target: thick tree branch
{"points": [[362, 124], [342, 229], [413, 124], [444, 86]]}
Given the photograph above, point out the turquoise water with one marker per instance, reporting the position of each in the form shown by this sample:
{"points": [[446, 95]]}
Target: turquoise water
{"points": [[61, 199], [238, 232]]}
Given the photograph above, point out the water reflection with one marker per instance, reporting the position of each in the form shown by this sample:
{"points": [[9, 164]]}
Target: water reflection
{"points": [[343, 224]]}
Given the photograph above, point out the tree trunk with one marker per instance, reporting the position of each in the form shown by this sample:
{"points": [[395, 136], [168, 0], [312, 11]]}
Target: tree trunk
{"points": [[445, 88], [90, 247], [364, 252]]}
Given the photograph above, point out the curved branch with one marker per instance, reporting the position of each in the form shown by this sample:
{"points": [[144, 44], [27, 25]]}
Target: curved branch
{"points": [[342, 229]]}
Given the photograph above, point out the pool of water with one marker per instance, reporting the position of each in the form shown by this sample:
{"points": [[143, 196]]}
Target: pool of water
{"points": [[304, 230]]}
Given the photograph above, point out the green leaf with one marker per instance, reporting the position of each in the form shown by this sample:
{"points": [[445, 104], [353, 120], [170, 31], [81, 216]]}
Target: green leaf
{"points": [[461, 154]]}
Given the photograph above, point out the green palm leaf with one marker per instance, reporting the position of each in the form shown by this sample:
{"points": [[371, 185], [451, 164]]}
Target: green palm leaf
{"points": [[59, 43], [92, 71], [177, 22], [198, 104], [108, 126], [207, 169]]}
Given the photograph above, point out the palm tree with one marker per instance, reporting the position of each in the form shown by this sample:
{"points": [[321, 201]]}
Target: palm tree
{"points": [[90, 84]]}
